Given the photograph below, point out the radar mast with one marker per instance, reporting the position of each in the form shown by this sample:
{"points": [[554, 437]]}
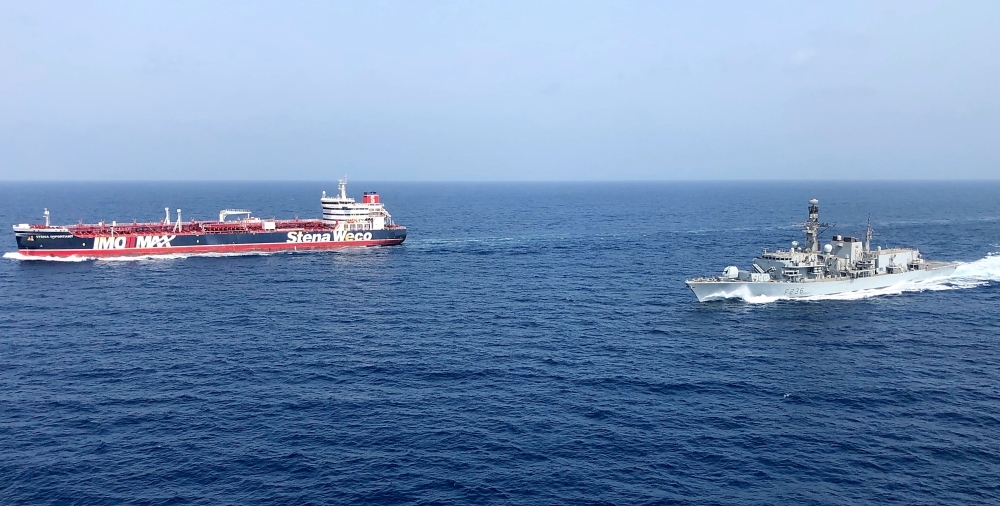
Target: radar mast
{"points": [[812, 227], [868, 234]]}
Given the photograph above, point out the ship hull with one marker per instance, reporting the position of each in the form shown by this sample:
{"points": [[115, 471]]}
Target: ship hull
{"points": [[69, 245], [713, 290]]}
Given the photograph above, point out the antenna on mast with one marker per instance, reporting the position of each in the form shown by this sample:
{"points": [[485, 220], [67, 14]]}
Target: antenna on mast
{"points": [[868, 234], [166, 221], [46, 217]]}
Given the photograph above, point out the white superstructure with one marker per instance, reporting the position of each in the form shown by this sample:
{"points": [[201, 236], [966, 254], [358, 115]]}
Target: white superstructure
{"points": [[341, 210]]}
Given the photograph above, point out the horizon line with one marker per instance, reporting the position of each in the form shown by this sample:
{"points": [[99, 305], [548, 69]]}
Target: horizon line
{"points": [[735, 180]]}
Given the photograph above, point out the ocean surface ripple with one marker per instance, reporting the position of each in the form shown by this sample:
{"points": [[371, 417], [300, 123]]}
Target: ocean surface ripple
{"points": [[528, 344]]}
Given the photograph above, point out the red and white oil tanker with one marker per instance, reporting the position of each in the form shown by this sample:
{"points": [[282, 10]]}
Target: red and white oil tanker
{"points": [[345, 223]]}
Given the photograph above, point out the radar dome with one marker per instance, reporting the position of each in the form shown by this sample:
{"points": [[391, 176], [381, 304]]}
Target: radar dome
{"points": [[795, 244], [814, 201], [731, 272], [828, 248]]}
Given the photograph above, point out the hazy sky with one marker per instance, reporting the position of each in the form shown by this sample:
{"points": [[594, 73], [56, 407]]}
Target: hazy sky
{"points": [[477, 90]]}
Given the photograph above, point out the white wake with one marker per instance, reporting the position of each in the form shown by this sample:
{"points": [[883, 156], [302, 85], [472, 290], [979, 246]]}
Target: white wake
{"points": [[182, 256], [13, 255]]}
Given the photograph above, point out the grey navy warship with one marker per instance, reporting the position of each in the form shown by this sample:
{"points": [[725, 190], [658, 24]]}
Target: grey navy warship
{"points": [[845, 264]]}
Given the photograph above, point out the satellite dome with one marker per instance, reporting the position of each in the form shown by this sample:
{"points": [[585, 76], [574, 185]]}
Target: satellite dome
{"points": [[795, 244], [828, 248], [814, 201]]}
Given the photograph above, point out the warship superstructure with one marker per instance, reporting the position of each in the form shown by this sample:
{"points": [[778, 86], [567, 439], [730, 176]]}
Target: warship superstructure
{"points": [[345, 223], [845, 264]]}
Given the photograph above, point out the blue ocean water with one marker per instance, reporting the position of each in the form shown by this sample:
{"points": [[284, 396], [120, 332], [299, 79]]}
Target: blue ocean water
{"points": [[528, 344]]}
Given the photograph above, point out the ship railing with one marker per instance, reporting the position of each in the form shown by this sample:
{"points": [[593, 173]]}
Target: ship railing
{"points": [[861, 273], [191, 227], [121, 229]]}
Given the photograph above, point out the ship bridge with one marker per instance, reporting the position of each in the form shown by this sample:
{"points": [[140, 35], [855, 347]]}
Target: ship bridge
{"points": [[369, 214]]}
